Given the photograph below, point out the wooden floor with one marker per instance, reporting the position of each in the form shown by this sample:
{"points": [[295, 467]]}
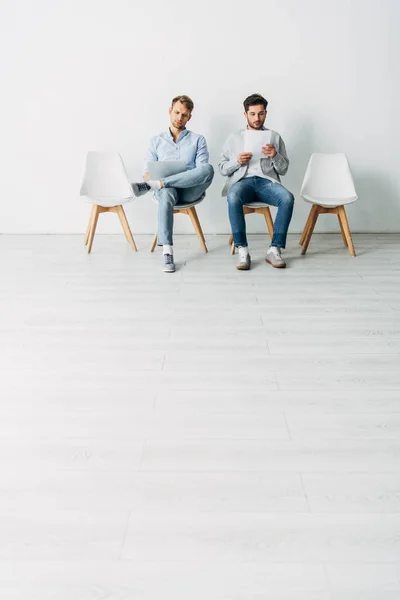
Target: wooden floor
{"points": [[207, 435]]}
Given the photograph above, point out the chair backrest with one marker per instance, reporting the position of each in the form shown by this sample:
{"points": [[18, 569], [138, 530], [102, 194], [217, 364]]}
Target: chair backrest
{"points": [[328, 176], [105, 178]]}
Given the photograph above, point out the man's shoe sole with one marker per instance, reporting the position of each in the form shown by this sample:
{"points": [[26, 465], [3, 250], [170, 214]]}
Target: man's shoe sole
{"points": [[275, 266], [244, 268], [169, 270]]}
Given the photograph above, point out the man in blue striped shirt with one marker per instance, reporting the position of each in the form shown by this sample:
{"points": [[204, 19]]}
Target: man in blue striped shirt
{"points": [[178, 143]]}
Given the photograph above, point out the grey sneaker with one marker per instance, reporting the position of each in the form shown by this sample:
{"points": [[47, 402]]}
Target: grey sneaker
{"points": [[274, 257], [169, 266], [140, 188], [244, 261]]}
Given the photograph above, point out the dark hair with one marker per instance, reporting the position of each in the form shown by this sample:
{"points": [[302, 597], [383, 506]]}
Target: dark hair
{"points": [[185, 100], [253, 100]]}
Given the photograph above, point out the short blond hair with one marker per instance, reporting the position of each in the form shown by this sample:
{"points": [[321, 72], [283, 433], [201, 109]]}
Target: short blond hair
{"points": [[188, 102]]}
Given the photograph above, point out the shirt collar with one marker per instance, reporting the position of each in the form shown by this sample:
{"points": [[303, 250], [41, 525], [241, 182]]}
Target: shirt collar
{"points": [[183, 134]]}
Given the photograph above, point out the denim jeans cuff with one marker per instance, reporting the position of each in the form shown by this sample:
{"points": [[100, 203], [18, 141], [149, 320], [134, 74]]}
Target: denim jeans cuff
{"points": [[279, 241]]}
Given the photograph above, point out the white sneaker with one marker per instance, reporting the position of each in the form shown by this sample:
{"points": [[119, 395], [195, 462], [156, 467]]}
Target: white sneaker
{"points": [[274, 257], [244, 259]]}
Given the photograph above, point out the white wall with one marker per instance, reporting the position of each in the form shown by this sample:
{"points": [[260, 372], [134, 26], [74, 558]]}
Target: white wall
{"points": [[100, 74]]}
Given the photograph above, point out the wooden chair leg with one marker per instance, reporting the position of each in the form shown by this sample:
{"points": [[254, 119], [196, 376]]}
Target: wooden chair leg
{"points": [[232, 245], [345, 224], [89, 226], [125, 226], [94, 225], [269, 222], [153, 243], [197, 227], [307, 225], [342, 230], [196, 216], [310, 229]]}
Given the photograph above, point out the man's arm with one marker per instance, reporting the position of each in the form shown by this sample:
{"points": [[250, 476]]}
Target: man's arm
{"points": [[202, 154], [228, 164], [280, 162]]}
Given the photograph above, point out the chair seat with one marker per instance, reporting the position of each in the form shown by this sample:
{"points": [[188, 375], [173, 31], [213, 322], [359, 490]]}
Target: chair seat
{"points": [[108, 202], [328, 202], [257, 205], [182, 206]]}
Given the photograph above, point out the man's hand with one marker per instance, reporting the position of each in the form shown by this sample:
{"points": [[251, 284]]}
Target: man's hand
{"points": [[146, 176], [268, 150], [244, 157]]}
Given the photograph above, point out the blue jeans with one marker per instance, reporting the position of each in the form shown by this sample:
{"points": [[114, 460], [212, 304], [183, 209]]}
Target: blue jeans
{"points": [[259, 189], [183, 188]]}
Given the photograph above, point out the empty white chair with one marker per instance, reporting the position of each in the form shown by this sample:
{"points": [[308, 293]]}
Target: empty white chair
{"points": [[105, 184], [328, 185]]}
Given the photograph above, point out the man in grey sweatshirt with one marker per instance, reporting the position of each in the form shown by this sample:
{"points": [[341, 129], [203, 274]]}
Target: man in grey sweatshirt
{"points": [[258, 181]]}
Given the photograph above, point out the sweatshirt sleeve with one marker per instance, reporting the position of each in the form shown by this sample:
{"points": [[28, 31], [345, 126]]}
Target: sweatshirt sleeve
{"points": [[228, 164], [280, 162]]}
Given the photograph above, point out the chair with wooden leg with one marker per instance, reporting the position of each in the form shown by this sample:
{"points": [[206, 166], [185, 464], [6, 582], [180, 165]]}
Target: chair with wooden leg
{"points": [[328, 185], [190, 210], [261, 209], [106, 186]]}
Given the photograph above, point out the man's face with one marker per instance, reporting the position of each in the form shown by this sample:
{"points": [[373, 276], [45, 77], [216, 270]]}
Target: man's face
{"points": [[179, 115], [256, 116]]}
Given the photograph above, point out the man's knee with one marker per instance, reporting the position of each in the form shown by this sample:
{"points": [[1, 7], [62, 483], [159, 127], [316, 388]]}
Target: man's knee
{"points": [[234, 198], [287, 199], [209, 171]]}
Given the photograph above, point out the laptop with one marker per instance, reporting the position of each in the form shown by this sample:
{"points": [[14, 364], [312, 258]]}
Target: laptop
{"points": [[158, 169]]}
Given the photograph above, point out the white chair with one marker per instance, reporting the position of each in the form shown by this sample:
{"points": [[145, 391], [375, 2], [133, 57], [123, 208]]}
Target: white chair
{"points": [[328, 185], [259, 208], [188, 209], [105, 184]]}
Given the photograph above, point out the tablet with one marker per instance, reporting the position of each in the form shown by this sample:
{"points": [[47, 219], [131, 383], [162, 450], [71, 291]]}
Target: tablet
{"points": [[164, 168]]}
